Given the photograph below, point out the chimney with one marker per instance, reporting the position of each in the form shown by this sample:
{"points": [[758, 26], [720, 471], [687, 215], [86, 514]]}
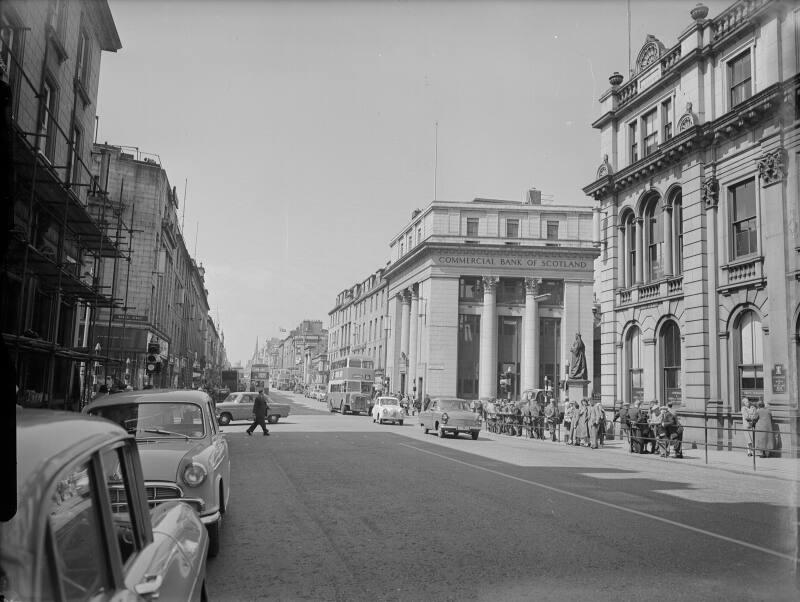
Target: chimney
{"points": [[534, 197]]}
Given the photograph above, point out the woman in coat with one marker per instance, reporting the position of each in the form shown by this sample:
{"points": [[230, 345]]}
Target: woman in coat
{"points": [[582, 427], [765, 430]]}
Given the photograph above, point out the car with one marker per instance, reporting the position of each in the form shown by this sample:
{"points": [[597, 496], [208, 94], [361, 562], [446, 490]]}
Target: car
{"points": [[83, 529], [184, 455], [387, 409], [450, 416], [239, 406]]}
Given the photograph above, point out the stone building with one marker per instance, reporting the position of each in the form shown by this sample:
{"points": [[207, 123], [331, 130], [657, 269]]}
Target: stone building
{"points": [[49, 76], [160, 334], [484, 298], [699, 275]]}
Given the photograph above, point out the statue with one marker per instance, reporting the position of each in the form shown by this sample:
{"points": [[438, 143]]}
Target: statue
{"points": [[577, 365]]}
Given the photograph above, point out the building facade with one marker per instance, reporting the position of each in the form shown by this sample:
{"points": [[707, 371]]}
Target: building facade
{"points": [[699, 275], [49, 76], [485, 297], [160, 335]]}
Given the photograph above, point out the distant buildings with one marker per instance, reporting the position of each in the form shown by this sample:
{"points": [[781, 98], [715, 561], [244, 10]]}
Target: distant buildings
{"points": [[699, 275], [162, 333], [479, 299]]}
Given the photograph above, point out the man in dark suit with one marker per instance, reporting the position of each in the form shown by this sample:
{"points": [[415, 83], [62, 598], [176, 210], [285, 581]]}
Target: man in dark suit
{"points": [[260, 413]]}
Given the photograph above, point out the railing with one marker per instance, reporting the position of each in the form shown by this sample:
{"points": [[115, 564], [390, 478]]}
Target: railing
{"points": [[649, 291], [735, 16], [670, 58], [628, 91], [675, 285], [747, 270]]}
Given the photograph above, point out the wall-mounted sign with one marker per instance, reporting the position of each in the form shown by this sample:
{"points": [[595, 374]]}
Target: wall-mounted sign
{"points": [[778, 379], [542, 262], [130, 318]]}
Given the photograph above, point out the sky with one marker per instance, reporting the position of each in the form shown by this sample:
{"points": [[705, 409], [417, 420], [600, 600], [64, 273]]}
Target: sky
{"points": [[304, 133]]}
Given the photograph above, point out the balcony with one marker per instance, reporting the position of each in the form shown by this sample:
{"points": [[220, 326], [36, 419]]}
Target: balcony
{"points": [[667, 288], [748, 272]]}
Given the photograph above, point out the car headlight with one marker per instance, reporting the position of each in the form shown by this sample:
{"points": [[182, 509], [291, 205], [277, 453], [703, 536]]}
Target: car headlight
{"points": [[194, 474], [445, 418]]}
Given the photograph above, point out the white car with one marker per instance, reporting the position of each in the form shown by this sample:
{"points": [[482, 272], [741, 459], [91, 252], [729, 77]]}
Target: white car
{"points": [[387, 409]]}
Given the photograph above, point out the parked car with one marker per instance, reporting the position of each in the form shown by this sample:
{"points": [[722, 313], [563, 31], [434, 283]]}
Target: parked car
{"points": [[387, 409], [450, 415], [83, 529], [183, 453], [239, 406]]}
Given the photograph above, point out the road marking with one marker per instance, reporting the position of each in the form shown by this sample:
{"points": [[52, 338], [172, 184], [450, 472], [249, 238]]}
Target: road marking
{"points": [[614, 506]]}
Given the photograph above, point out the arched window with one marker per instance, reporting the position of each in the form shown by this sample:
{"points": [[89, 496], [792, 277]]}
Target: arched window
{"points": [[750, 358], [677, 233], [670, 340], [634, 364], [654, 229]]}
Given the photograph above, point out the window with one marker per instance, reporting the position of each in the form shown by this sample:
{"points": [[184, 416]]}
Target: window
{"points": [[739, 78], [511, 290], [472, 226], [650, 133], [655, 240], [47, 111], [512, 228], [634, 142], [744, 227], [82, 59], [635, 372], [552, 230], [677, 217], [666, 120], [76, 535], [56, 14], [750, 354], [75, 155], [630, 228], [120, 477], [469, 288], [671, 361]]}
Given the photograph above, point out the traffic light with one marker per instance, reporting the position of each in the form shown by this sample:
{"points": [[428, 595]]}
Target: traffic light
{"points": [[153, 361]]}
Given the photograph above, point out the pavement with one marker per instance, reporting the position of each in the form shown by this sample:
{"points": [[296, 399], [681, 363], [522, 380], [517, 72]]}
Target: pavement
{"points": [[735, 461]]}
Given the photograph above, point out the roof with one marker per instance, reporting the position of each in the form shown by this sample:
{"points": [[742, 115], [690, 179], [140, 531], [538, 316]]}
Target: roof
{"points": [[149, 396]]}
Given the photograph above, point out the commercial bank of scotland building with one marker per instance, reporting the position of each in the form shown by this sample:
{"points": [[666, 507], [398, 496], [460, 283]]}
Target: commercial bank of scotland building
{"points": [[699, 273], [487, 290]]}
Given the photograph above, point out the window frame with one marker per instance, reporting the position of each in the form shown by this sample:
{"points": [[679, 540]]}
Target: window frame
{"points": [[666, 120], [732, 85], [633, 141], [552, 224], [83, 57], [735, 221], [649, 132], [472, 223], [510, 224]]}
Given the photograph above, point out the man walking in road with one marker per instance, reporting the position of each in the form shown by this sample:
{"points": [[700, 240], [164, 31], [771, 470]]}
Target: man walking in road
{"points": [[260, 413]]}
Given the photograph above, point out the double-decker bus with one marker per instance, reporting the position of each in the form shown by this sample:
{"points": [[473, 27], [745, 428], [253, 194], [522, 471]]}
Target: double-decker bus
{"points": [[259, 376], [350, 385]]}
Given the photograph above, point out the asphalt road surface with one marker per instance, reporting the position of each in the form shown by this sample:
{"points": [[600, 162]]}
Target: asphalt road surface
{"points": [[334, 507]]}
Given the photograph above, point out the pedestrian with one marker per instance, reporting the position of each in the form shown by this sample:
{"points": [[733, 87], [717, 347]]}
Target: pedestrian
{"points": [[623, 415], [582, 428], [765, 430], [569, 408], [669, 435], [551, 418], [260, 413], [748, 422], [597, 418], [656, 431]]}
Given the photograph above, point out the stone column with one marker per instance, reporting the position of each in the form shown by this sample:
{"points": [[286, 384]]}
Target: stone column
{"points": [[487, 372], [667, 239], [405, 315], [529, 338], [412, 339]]}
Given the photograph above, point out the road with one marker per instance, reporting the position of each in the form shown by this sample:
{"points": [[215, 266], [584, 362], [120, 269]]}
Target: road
{"points": [[335, 507]]}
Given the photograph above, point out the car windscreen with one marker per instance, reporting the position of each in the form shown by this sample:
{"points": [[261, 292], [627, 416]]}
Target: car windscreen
{"points": [[230, 398], [389, 401], [454, 404], [153, 420]]}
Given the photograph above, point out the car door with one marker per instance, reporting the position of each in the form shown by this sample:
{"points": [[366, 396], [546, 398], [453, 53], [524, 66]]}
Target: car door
{"points": [[220, 458], [241, 410]]}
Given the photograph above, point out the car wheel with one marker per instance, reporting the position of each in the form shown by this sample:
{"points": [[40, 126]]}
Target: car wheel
{"points": [[440, 432], [475, 435], [213, 539], [342, 410], [400, 422], [272, 419], [225, 419], [424, 428]]}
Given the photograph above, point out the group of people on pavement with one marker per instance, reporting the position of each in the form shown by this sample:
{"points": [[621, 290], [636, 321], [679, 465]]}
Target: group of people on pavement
{"points": [[763, 435], [585, 424], [657, 430]]}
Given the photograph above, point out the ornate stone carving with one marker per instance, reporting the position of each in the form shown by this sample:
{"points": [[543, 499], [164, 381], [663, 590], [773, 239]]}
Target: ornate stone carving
{"points": [[604, 169], [688, 119], [650, 53], [489, 283], [772, 167], [532, 285], [710, 192]]}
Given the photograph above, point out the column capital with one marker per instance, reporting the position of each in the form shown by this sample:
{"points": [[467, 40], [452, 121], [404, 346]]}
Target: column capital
{"points": [[404, 296], [414, 291], [532, 285], [489, 283], [638, 220]]}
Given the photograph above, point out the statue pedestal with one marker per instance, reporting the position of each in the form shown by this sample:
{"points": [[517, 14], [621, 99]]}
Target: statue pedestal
{"points": [[577, 389]]}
